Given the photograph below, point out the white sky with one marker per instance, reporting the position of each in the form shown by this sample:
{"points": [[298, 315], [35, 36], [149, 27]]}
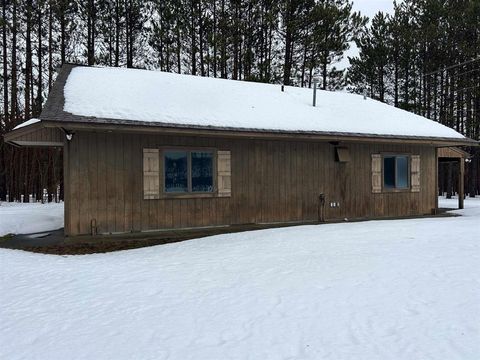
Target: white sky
{"points": [[371, 7], [367, 8]]}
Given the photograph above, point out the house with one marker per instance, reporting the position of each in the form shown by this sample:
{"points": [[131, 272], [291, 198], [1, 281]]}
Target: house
{"points": [[147, 150]]}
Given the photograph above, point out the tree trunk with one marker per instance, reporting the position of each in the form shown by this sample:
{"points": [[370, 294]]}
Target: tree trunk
{"points": [[473, 173], [14, 103], [39, 101], [324, 70], [50, 47], [28, 59], [200, 38], [193, 49], [223, 47], [179, 50], [214, 38], [62, 34], [287, 67], [91, 32], [5, 61], [290, 31], [117, 33]]}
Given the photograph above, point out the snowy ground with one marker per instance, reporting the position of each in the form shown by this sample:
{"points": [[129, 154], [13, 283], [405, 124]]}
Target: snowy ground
{"points": [[452, 203], [25, 218], [404, 289]]}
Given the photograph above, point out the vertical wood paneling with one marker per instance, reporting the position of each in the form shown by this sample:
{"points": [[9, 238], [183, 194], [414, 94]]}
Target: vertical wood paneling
{"points": [[110, 173], [137, 182], [84, 173], [74, 185], [49, 135], [102, 218], [93, 175], [67, 185], [119, 187], [128, 183], [251, 183], [272, 181]]}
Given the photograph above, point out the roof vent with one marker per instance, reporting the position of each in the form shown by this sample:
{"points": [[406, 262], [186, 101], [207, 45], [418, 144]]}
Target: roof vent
{"points": [[315, 82]]}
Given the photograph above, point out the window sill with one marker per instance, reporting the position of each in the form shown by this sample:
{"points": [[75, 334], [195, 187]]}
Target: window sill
{"points": [[387, 191], [167, 196]]}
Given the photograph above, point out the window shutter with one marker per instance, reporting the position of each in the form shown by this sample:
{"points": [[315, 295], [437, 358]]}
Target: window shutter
{"points": [[151, 174], [224, 170], [415, 173], [376, 173]]}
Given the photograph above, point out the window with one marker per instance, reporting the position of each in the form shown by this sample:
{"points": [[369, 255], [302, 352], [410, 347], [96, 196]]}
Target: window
{"points": [[202, 171], [188, 171], [176, 171], [395, 172]]}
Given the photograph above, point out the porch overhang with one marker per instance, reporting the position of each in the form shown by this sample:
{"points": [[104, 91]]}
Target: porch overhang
{"points": [[457, 155], [35, 134]]}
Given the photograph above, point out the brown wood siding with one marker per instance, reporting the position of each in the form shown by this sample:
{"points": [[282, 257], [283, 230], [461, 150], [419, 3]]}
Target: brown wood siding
{"points": [[452, 152], [40, 137], [272, 181]]}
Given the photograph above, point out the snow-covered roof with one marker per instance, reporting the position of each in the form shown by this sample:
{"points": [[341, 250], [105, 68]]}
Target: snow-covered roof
{"points": [[26, 123], [185, 100]]}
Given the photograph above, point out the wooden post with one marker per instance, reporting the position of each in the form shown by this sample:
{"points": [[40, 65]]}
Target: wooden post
{"points": [[66, 187], [461, 185]]}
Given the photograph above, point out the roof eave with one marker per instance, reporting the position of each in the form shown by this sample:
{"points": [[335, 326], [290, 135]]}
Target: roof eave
{"points": [[96, 124], [54, 115], [13, 134]]}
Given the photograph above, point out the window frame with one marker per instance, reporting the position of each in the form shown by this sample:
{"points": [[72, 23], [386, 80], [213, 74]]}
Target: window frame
{"points": [[189, 193], [409, 162]]}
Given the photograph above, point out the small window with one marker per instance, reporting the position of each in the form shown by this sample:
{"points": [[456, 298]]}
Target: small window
{"points": [[395, 172], [188, 171]]}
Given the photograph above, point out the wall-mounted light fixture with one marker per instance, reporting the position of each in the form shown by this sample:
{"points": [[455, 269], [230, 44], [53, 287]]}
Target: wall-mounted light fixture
{"points": [[68, 134]]}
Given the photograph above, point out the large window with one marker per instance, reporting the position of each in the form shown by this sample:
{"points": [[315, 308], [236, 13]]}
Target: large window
{"points": [[395, 172], [188, 171]]}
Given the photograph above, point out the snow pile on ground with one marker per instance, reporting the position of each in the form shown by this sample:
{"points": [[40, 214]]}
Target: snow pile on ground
{"points": [[26, 218], [404, 289], [154, 96]]}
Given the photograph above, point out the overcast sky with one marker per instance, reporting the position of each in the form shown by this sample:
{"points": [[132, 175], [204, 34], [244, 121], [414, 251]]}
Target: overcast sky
{"points": [[367, 8], [371, 7]]}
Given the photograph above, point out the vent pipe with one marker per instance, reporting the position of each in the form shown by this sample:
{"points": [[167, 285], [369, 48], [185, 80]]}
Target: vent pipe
{"points": [[315, 93]]}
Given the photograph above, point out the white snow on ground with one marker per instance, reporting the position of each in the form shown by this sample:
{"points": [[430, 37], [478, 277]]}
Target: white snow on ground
{"points": [[400, 289], [25, 218], [445, 203], [26, 123], [154, 96]]}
